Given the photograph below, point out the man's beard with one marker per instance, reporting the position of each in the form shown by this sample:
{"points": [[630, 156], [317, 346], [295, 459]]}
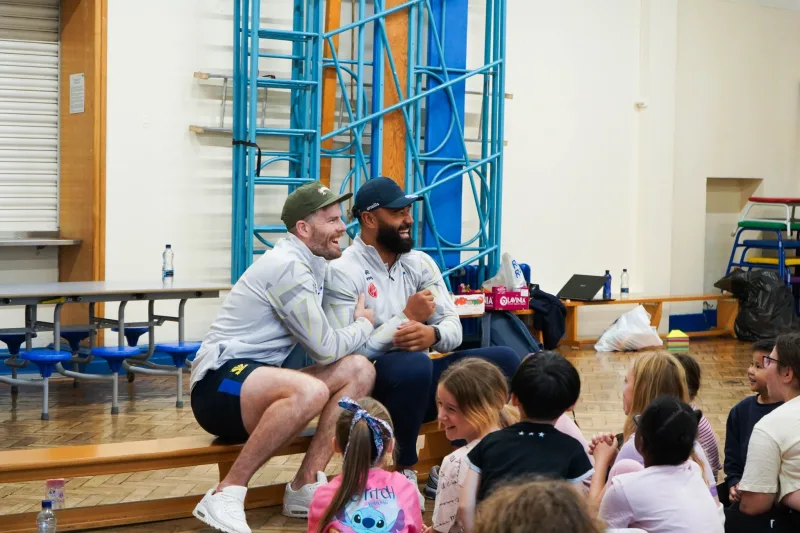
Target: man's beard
{"points": [[318, 243], [389, 238]]}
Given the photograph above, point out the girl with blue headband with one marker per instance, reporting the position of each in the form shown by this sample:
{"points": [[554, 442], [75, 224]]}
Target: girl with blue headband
{"points": [[365, 498]]}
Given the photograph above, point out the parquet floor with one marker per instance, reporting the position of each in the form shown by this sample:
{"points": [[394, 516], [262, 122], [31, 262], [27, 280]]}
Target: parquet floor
{"points": [[82, 415]]}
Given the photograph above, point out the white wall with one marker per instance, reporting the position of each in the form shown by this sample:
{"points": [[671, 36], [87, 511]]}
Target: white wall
{"points": [[21, 265], [601, 183], [738, 88]]}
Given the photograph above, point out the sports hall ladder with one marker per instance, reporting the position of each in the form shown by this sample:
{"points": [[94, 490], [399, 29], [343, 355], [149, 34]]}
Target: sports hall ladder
{"points": [[292, 157]]}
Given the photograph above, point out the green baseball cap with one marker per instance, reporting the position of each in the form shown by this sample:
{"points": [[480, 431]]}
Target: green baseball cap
{"points": [[307, 199]]}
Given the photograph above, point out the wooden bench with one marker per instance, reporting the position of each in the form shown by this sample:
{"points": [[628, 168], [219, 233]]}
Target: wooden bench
{"points": [[727, 309], [37, 464]]}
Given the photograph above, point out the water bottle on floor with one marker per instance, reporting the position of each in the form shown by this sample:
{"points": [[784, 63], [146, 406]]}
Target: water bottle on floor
{"points": [[607, 286], [625, 284], [167, 259], [46, 519]]}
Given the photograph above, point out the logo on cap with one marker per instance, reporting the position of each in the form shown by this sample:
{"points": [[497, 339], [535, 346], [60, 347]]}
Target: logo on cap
{"points": [[323, 190]]}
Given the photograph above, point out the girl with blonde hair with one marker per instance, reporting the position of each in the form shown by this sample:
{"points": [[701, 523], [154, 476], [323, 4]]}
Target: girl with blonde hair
{"points": [[651, 375], [471, 400]]}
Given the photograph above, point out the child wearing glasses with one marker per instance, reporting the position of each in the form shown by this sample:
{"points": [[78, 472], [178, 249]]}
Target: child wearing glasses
{"points": [[743, 418]]}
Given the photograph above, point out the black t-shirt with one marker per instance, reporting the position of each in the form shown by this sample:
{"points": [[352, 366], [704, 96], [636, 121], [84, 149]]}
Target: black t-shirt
{"points": [[528, 449]]}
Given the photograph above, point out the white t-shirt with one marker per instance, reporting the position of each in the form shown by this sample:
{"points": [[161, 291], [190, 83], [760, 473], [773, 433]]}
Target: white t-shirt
{"points": [[451, 478], [662, 499], [773, 456]]}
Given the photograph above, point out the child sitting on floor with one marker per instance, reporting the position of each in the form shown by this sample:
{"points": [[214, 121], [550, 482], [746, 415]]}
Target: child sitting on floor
{"points": [[669, 495], [541, 506], [743, 418], [471, 400], [705, 433], [543, 388], [365, 497]]}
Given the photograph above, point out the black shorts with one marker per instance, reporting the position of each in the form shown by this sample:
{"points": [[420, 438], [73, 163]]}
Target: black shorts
{"points": [[216, 403]]}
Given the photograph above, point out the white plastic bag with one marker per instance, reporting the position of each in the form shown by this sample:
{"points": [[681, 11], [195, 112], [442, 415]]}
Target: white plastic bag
{"points": [[509, 275], [631, 332]]}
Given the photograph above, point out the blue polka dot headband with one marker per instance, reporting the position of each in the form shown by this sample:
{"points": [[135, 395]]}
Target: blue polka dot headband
{"points": [[377, 427]]}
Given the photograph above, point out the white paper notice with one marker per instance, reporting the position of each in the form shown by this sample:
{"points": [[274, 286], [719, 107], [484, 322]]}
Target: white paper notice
{"points": [[77, 93]]}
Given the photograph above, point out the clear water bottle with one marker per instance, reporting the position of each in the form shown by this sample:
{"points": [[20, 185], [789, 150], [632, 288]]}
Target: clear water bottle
{"points": [[625, 285], [167, 259], [607, 286], [46, 519]]}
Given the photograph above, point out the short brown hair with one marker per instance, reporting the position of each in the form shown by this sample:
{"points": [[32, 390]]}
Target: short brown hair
{"points": [[538, 506], [788, 348], [693, 373]]}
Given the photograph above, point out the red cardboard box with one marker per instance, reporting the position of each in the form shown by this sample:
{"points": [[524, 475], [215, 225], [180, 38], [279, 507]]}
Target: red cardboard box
{"points": [[501, 299]]}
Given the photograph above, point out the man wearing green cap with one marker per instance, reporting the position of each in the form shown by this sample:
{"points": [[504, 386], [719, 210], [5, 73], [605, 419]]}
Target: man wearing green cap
{"points": [[239, 390]]}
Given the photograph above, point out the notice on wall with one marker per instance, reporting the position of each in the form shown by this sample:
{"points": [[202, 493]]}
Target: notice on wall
{"points": [[77, 93]]}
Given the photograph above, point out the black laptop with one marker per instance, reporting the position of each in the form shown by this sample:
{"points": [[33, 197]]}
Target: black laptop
{"points": [[581, 288]]}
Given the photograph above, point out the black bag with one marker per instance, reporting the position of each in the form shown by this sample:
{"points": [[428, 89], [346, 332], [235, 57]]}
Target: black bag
{"points": [[549, 317], [766, 304]]}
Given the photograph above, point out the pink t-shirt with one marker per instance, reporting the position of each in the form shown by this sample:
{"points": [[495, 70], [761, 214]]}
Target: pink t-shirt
{"points": [[662, 499], [390, 504]]}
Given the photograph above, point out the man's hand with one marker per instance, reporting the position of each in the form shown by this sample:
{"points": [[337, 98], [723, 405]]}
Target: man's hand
{"points": [[414, 337], [363, 312], [420, 306], [733, 493]]}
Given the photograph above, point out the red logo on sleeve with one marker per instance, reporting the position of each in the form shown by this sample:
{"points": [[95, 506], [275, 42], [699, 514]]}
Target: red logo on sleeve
{"points": [[372, 290]]}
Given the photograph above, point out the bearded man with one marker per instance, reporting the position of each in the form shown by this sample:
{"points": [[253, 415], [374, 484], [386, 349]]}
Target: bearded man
{"points": [[414, 313], [239, 390]]}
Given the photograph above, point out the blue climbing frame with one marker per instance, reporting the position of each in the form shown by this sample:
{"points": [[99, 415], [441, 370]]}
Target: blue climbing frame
{"points": [[434, 165]]}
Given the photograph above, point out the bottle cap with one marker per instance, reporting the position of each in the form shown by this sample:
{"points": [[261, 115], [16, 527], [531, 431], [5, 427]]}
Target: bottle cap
{"points": [[608, 272], [624, 269], [47, 504], [169, 246]]}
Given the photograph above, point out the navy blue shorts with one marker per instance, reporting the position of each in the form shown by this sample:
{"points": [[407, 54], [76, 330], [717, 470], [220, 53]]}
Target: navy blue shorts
{"points": [[216, 402]]}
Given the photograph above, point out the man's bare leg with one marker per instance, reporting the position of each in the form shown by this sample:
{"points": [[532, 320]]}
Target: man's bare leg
{"points": [[351, 376], [276, 405]]}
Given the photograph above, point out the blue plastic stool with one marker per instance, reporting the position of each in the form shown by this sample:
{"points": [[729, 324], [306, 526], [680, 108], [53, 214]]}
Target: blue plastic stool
{"points": [[74, 339], [179, 351], [132, 334], [14, 341], [114, 356], [46, 360]]}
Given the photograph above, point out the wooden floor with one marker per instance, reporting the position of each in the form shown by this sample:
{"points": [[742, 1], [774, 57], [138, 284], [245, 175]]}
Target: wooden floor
{"points": [[82, 415]]}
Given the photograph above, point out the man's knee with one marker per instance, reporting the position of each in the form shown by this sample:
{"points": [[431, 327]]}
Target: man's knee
{"points": [[402, 368], [312, 396], [362, 371]]}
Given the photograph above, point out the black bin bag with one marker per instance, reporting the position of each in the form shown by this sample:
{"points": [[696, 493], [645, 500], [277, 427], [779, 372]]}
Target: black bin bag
{"points": [[766, 304]]}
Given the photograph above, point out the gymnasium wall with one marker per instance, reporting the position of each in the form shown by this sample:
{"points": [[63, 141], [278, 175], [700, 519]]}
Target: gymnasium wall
{"points": [[600, 183]]}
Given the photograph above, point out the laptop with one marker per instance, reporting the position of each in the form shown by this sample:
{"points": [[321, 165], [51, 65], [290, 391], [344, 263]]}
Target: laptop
{"points": [[581, 288]]}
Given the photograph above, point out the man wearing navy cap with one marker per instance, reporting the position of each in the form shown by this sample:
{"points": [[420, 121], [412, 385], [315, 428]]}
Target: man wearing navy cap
{"points": [[414, 313]]}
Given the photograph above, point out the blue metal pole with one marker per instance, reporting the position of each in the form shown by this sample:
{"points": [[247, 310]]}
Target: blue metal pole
{"points": [[255, 18]]}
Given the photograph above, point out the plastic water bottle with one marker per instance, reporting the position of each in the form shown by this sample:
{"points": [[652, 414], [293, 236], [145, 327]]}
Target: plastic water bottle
{"points": [[625, 285], [607, 286], [46, 519], [167, 258]]}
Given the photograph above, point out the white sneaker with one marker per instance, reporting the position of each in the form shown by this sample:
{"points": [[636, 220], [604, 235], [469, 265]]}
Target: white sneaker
{"points": [[224, 510], [411, 475], [297, 502]]}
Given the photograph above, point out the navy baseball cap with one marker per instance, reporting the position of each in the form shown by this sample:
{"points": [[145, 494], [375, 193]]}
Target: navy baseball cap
{"points": [[381, 192]]}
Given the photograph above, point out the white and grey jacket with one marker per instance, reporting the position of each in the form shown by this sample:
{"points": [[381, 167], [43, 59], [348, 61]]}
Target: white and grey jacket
{"points": [[276, 304], [361, 270]]}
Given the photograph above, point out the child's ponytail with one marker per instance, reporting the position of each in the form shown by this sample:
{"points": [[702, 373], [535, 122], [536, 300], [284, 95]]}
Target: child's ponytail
{"points": [[363, 431]]}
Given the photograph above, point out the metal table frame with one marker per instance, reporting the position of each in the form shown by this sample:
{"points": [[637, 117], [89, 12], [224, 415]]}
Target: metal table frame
{"points": [[93, 293]]}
